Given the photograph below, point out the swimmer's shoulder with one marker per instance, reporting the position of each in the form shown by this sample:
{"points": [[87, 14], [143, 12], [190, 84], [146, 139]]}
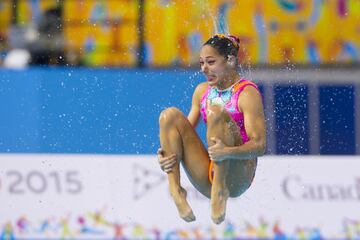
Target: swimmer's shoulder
{"points": [[201, 89]]}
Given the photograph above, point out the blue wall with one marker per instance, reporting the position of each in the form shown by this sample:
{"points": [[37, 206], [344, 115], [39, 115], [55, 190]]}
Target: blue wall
{"points": [[337, 129], [291, 116], [78, 110]]}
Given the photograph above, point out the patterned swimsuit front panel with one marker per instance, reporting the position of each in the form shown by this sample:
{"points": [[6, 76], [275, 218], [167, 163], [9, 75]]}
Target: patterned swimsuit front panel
{"points": [[227, 99]]}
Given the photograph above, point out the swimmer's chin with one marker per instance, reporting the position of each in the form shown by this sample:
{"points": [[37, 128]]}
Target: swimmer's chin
{"points": [[212, 82]]}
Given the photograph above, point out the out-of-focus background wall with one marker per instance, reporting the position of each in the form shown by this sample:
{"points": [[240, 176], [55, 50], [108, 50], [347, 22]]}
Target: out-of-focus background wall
{"points": [[82, 83], [169, 33]]}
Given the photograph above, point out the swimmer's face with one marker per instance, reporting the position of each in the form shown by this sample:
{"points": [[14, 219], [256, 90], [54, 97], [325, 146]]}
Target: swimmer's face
{"points": [[213, 65]]}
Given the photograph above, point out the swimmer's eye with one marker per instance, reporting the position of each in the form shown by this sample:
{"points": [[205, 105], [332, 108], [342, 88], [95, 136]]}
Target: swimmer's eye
{"points": [[201, 63], [211, 62]]}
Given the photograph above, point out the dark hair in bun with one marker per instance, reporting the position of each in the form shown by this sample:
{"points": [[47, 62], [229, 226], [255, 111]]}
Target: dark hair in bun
{"points": [[225, 45]]}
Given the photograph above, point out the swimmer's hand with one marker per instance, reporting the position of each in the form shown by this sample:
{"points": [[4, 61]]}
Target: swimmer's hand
{"points": [[166, 163], [217, 152]]}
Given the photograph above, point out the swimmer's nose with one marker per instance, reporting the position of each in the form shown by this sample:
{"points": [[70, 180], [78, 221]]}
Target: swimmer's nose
{"points": [[204, 68]]}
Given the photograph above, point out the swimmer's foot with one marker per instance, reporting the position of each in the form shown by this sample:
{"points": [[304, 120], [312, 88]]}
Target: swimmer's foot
{"points": [[182, 205], [218, 201]]}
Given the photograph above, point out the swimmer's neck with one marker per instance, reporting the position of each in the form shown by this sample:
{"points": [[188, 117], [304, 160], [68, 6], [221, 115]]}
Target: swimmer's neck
{"points": [[228, 81]]}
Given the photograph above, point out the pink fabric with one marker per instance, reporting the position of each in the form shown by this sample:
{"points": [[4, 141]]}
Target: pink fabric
{"points": [[230, 106]]}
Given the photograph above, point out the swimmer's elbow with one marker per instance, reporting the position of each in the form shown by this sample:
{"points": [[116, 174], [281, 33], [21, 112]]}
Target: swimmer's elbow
{"points": [[261, 143], [262, 150], [257, 144]]}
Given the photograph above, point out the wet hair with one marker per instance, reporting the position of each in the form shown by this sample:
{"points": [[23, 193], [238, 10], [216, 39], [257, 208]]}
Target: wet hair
{"points": [[225, 45]]}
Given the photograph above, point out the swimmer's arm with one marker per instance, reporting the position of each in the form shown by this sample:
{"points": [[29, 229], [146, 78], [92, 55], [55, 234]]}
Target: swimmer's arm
{"points": [[194, 114], [250, 103]]}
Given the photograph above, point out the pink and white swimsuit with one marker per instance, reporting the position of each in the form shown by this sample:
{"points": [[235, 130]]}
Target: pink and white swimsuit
{"points": [[228, 99]]}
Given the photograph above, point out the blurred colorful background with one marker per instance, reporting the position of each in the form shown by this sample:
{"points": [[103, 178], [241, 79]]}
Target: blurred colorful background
{"points": [[106, 33]]}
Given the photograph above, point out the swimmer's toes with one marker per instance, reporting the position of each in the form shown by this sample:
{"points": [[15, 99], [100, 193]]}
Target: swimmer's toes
{"points": [[189, 217], [218, 219]]}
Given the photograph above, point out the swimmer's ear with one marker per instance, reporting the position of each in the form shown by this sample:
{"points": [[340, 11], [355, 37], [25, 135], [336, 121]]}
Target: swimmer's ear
{"points": [[231, 60]]}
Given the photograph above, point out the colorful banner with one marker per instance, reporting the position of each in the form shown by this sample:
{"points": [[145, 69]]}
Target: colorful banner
{"points": [[270, 31], [5, 14], [102, 32], [126, 196], [5, 18]]}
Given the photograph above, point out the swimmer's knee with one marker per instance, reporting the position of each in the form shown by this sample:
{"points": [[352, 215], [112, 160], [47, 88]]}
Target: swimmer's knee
{"points": [[169, 115]]}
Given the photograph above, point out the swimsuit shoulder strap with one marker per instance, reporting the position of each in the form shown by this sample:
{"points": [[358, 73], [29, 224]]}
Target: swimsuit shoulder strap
{"points": [[239, 87]]}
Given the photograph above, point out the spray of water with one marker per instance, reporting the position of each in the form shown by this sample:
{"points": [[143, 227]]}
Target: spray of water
{"points": [[220, 25], [219, 22]]}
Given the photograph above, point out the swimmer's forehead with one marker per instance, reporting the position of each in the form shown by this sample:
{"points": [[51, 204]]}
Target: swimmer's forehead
{"points": [[208, 52]]}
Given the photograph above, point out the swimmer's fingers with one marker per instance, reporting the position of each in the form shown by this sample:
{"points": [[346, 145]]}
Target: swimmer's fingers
{"points": [[166, 163], [168, 167]]}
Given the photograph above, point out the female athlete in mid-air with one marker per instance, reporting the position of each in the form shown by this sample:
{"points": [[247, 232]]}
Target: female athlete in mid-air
{"points": [[232, 109]]}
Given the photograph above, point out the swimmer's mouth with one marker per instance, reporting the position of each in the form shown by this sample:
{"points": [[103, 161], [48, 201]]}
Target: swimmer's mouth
{"points": [[210, 78]]}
